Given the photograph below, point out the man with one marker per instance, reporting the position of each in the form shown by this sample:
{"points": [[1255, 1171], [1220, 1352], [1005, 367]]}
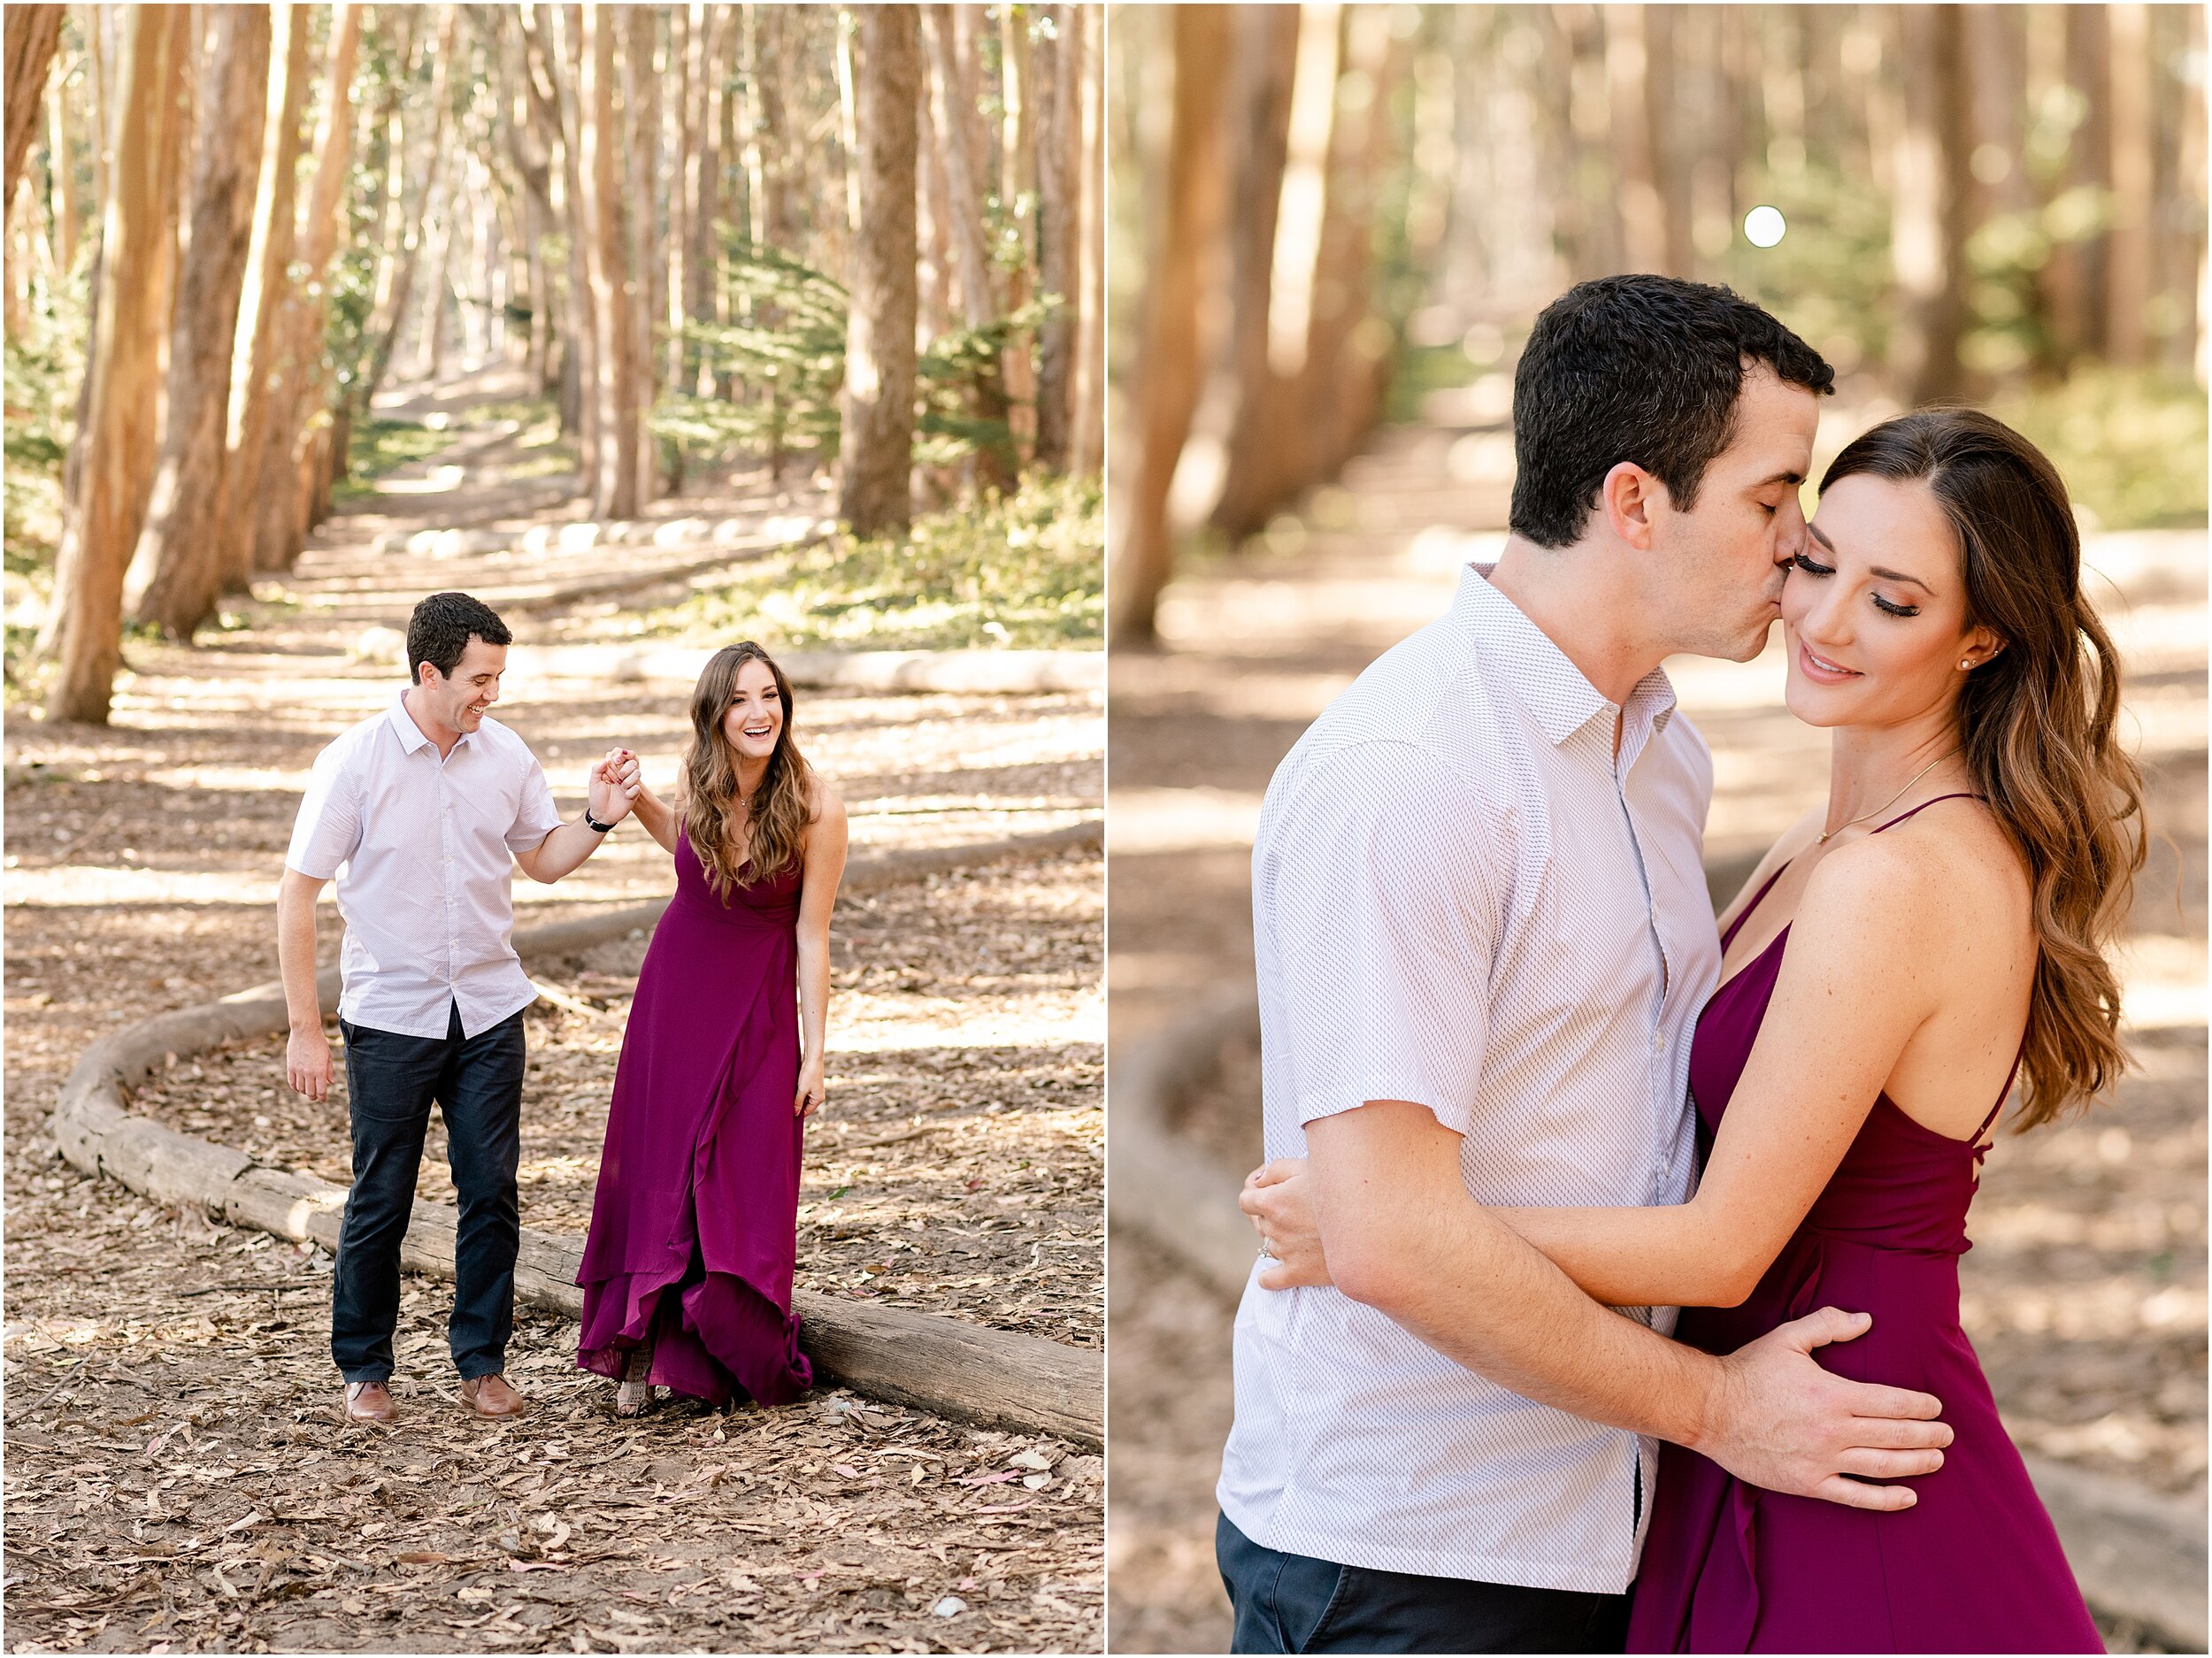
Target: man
{"points": [[1483, 938], [420, 813]]}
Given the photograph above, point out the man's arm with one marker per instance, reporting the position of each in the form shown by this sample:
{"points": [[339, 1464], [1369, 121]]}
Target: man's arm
{"points": [[307, 1053], [1403, 1236], [564, 849]]}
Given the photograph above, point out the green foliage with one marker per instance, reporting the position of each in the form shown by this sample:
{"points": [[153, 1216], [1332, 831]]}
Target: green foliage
{"points": [[788, 363], [378, 446], [787, 356], [1024, 571], [2130, 445], [1829, 277]]}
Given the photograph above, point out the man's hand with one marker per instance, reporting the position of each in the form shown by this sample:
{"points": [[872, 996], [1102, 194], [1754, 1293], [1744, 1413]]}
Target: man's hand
{"points": [[307, 1063], [1780, 1422], [614, 785], [1281, 1205]]}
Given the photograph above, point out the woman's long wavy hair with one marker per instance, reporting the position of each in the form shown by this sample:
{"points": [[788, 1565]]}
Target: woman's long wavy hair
{"points": [[780, 809], [2036, 724]]}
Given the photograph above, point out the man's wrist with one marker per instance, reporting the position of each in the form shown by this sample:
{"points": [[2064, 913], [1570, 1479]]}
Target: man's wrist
{"points": [[593, 824]]}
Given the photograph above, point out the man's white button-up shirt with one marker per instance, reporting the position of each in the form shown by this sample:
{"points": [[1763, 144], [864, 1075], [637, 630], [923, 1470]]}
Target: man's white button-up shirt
{"points": [[423, 849], [1463, 898]]}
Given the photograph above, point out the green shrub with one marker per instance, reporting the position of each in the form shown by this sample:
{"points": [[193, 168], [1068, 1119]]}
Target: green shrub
{"points": [[1024, 571]]}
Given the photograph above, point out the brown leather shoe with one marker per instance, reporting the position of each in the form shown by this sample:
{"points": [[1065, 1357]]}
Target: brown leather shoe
{"points": [[491, 1396], [369, 1403]]}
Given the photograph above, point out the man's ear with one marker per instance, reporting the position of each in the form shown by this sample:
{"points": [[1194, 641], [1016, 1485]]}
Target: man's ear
{"points": [[1630, 497]]}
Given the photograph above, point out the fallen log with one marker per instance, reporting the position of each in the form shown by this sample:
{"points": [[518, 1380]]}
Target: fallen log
{"points": [[967, 1372]]}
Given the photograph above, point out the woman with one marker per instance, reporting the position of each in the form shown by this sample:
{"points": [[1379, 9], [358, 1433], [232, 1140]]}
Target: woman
{"points": [[687, 1271], [1939, 927]]}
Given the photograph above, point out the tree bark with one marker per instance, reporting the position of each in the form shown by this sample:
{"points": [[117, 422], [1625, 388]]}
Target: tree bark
{"points": [[2134, 114], [615, 427], [1928, 225], [301, 313], [118, 436], [1018, 190], [877, 414], [1088, 439], [2074, 278], [173, 577], [253, 363], [1054, 68], [1267, 65], [390, 311], [1169, 366], [33, 33], [640, 102], [952, 106]]}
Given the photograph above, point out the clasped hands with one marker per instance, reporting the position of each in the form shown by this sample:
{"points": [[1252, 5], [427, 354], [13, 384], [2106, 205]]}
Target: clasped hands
{"points": [[614, 787]]}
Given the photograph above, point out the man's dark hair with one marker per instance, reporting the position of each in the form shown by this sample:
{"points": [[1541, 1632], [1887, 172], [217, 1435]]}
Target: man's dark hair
{"points": [[440, 630], [1645, 369]]}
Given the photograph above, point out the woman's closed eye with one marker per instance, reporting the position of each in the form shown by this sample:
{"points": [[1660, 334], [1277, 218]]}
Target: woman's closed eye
{"points": [[1805, 563]]}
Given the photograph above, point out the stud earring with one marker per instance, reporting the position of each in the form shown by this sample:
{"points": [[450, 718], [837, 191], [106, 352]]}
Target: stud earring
{"points": [[1966, 664]]}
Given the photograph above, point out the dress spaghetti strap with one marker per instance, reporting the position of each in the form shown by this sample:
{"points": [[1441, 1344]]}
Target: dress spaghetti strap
{"points": [[1892, 823]]}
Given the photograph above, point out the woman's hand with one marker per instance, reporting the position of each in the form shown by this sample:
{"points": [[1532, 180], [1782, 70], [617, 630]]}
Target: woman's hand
{"points": [[811, 1095], [1280, 1203]]}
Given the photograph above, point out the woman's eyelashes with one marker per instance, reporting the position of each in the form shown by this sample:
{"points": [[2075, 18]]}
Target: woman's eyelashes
{"points": [[1805, 563]]}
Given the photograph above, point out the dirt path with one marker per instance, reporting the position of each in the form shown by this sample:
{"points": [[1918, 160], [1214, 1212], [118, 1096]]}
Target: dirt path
{"points": [[174, 1480], [2085, 1291]]}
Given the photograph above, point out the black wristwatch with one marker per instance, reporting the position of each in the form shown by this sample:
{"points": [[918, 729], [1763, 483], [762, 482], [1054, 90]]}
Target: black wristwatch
{"points": [[594, 825]]}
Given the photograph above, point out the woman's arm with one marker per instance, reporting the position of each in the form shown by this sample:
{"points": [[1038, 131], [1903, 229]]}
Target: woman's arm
{"points": [[658, 816], [825, 868], [1862, 974]]}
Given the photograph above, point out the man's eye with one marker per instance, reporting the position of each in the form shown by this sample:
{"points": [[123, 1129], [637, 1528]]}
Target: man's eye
{"points": [[1812, 568]]}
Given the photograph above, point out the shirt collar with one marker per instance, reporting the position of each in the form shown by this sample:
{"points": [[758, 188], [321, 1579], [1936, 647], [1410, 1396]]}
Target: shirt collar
{"points": [[1555, 693], [411, 736]]}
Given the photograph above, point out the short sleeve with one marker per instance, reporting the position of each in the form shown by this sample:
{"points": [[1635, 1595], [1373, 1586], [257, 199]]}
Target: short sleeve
{"points": [[328, 828], [1384, 922], [535, 815]]}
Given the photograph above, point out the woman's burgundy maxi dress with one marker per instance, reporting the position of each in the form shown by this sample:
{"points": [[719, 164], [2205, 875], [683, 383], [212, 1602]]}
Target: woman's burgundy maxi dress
{"points": [[1974, 1566], [694, 1228]]}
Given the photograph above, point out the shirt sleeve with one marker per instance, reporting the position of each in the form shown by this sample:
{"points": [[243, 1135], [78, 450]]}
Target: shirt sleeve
{"points": [[328, 828], [1384, 922], [535, 815]]}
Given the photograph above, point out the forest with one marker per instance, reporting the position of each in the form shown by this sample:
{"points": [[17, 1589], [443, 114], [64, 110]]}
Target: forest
{"points": [[1327, 214], [862, 247]]}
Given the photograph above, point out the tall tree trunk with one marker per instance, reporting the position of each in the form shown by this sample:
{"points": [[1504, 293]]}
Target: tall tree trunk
{"points": [[119, 437], [952, 106], [1054, 66], [1087, 440], [69, 207], [640, 102], [1017, 192], [713, 38], [680, 138], [1267, 65], [563, 65], [2134, 117], [1169, 364], [32, 33], [877, 447], [389, 313], [1928, 227], [2074, 278], [614, 474], [253, 364], [305, 310], [1627, 74], [173, 579]]}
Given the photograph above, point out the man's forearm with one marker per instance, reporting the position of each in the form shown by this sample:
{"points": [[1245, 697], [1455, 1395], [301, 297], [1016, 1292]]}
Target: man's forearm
{"points": [[296, 958], [562, 852], [1481, 1295], [1404, 1236]]}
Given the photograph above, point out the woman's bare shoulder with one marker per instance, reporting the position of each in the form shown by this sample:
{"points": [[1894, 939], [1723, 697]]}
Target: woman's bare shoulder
{"points": [[1948, 877]]}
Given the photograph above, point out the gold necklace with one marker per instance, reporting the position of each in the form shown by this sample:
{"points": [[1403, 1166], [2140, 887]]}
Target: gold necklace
{"points": [[1886, 804]]}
